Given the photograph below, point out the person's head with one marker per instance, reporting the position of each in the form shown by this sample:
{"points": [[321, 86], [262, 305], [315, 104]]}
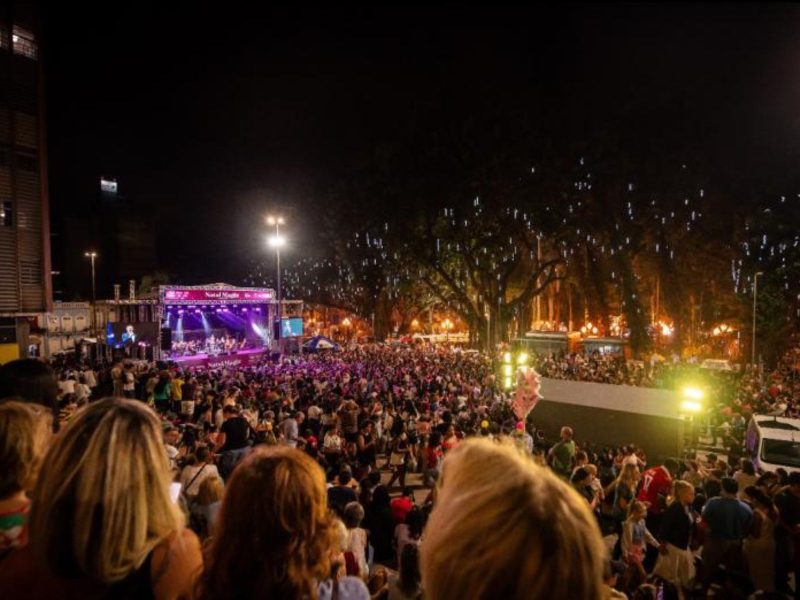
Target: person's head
{"points": [[408, 492], [581, 458], [30, 380], [684, 492], [102, 501], [374, 478], [729, 487], [524, 534], [202, 454], [274, 535], [172, 436], [25, 433], [794, 482], [353, 515], [637, 510], [345, 476], [229, 411], [566, 434], [673, 466], [759, 498], [629, 475], [580, 476], [211, 490], [612, 569]]}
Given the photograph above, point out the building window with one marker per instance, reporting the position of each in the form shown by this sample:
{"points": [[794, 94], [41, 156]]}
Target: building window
{"points": [[26, 162], [6, 214], [24, 42], [30, 272]]}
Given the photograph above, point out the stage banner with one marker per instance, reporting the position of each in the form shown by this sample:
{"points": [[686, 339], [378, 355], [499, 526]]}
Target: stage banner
{"points": [[211, 295], [232, 361]]}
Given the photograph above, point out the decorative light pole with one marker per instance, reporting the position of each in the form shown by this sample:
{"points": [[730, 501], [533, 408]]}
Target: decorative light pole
{"points": [[92, 256], [276, 242]]}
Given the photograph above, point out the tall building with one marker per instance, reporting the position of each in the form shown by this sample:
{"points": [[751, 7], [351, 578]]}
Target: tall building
{"points": [[25, 284], [120, 228]]}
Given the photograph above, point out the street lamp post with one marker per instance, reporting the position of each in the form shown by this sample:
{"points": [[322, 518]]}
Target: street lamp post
{"points": [[755, 305], [276, 242], [92, 256]]}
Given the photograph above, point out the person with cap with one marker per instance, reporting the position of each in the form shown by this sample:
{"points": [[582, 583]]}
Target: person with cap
{"points": [[727, 520]]}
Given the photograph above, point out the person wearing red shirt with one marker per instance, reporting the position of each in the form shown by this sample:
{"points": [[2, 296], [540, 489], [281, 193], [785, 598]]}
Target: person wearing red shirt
{"points": [[656, 487], [402, 505]]}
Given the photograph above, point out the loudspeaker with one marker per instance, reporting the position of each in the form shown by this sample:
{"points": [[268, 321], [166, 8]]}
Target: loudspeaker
{"points": [[166, 338]]}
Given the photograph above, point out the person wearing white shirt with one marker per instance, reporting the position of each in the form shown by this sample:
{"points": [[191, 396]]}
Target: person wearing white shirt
{"points": [[195, 474]]}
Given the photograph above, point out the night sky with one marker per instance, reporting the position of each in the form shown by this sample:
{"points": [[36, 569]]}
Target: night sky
{"points": [[219, 114]]}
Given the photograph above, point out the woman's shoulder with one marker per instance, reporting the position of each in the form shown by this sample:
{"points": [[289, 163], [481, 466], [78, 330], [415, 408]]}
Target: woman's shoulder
{"points": [[347, 588], [176, 563]]}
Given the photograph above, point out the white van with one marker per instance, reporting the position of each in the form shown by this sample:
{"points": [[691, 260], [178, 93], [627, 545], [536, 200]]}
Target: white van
{"points": [[717, 364], [773, 443]]}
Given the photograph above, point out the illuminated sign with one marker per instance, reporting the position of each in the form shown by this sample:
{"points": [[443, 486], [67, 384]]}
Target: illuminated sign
{"points": [[108, 185]]}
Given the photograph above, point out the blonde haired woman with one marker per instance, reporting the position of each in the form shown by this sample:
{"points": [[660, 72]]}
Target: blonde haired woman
{"points": [[103, 524], [503, 527]]}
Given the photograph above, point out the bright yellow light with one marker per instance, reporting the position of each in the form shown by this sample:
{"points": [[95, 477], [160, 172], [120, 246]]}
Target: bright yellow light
{"points": [[691, 406], [414, 323], [507, 370], [507, 383], [693, 393], [716, 331], [346, 322], [522, 359], [276, 241]]}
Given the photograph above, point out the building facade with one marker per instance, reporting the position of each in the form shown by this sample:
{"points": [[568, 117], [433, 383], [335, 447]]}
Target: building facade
{"points": [[25, 271]]}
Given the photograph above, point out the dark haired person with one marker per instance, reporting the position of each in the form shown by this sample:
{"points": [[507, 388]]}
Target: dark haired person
{"points": [[29, 380], [341, 494], [233, 440], [728, 521], [787, 533]]}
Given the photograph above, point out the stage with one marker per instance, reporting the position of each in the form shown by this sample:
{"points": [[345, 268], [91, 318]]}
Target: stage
{"points": [[242, 358]]}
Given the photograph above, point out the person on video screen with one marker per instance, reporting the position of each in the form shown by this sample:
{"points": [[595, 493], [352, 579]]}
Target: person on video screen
{"points": [[129, 337], [287, 329]]}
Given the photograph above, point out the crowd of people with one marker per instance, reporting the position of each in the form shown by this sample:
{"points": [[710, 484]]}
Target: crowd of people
{"points": [[381, 472]]}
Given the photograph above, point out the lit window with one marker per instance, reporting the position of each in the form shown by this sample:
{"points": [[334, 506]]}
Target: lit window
{"points": [[6, 214], [24, 42]]}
